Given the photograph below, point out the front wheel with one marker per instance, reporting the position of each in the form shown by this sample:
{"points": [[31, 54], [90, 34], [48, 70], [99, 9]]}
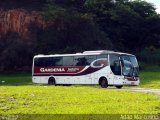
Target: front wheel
{"points": [[119, 86], [104, 83]]}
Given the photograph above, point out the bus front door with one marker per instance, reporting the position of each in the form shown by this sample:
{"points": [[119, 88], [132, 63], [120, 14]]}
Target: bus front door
{"points": [[117, 77]]}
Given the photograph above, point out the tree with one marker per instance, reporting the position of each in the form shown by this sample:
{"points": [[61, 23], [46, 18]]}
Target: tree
{"points": [[16, 53], [127, 23], [74, 31]]}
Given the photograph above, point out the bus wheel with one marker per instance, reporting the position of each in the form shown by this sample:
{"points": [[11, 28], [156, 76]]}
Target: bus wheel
{"points": [[119, 86], [51, 81], [103, 82]]}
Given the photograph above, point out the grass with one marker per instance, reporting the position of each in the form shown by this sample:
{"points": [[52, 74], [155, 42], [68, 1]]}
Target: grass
{"points": [[19, 96], [147, 79], [16, 79], [150, 79], [150, 76], [75, 100]]}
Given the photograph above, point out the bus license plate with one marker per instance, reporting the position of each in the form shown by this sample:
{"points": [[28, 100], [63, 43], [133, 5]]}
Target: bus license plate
{"points": [[132, 83]]}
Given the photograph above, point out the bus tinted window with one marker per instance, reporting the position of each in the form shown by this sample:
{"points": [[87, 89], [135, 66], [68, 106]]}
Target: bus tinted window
{"points": [[80, 60], [90, 59], [133, 61], [115, 64], [48, 61], [101, 62], [37, 62], [68, 61], [57, 61], [127, 65], [102, 56], [42, 61]]}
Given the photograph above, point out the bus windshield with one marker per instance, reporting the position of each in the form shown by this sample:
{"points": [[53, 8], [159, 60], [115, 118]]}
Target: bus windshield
{"points": [[130, 66]]}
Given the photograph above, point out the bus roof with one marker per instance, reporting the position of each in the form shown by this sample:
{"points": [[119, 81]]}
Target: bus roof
{"points": [[97, 52]]}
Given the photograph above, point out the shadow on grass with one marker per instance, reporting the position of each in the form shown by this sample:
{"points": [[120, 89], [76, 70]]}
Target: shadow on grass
{"points": [[16, 79]]}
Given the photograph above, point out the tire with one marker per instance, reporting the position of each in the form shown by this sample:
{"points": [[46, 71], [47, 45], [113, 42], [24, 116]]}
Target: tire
{"points": [[104, 83], [119, 86], [51, 81]]}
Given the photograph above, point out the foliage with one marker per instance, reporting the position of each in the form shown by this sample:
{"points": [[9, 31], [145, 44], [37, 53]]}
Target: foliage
{"points": [[78, 25], [150, 56], [15, 54], [72, 34], [125, 22]]}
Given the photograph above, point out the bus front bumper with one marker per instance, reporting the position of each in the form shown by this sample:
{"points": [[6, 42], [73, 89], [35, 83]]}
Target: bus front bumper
{"points": [[131, 83]]}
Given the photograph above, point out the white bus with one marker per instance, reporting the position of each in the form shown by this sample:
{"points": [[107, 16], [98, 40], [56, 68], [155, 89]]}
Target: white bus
{"points": [[106, 68]]}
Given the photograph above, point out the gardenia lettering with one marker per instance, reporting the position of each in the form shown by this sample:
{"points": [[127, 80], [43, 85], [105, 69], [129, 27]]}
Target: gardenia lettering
{"points": [[52, 70]]}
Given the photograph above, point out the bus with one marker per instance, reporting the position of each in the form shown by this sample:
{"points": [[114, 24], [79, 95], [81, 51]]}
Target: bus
{"points": [[102, 67]]}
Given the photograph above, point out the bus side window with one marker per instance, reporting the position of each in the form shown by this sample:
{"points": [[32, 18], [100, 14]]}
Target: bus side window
{"points": [[43, 62], [80, 60], [104, 62], [115, 64], [90, 59], [57, 61], [36, 62], [102, 56], [68, 61]]}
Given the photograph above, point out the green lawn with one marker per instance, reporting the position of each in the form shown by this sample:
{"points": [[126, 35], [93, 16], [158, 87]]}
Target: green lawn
{"points": [[16, 79], [150, 79], [19, 96], [75, 100]]}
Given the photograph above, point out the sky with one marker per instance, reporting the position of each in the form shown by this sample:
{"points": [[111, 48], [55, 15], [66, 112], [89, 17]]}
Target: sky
{"points": [[156, 3]]}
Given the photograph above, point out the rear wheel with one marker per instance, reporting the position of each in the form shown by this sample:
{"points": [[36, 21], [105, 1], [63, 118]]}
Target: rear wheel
{"points": [[104, 83], [119, 86], [51, 81]]}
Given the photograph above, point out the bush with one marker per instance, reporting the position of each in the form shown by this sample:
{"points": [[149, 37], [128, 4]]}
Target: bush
{"points": [[150, 56], [16, 57]]}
